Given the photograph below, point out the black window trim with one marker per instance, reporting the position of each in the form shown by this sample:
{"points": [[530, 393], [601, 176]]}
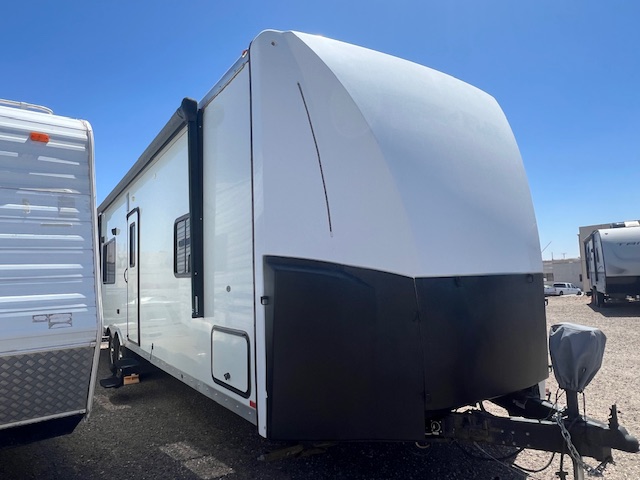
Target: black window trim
{"points": [[105, 261], [132, 244], [187, 273]]}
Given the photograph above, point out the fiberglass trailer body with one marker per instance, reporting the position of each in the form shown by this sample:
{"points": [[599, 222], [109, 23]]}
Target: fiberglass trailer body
{"points": [[334, 243], [50, 315], [613, 262]]}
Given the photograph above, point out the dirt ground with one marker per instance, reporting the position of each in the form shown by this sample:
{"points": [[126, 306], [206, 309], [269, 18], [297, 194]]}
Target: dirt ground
{"points": [[618, 381]]}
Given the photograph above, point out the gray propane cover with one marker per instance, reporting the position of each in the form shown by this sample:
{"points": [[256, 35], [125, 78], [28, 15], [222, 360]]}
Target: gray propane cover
{"points": [[576, 354]]}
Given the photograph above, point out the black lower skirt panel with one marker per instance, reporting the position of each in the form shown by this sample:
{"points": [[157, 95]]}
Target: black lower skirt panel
{"points": [[358, 354], [628, 285]]}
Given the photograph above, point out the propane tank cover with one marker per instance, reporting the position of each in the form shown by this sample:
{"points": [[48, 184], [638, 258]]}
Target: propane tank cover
{"points": [[576, 354]]}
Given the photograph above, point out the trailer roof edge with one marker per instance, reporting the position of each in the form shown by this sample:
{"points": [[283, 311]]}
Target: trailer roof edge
{"points": [[187, 111]]}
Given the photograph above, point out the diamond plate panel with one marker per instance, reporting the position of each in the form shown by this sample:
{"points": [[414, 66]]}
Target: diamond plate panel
{"points": [[45, 383]]}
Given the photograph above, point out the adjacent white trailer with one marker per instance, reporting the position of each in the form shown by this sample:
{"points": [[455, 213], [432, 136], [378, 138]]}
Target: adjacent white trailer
{"points": [[613, 262], [334, 243], [50, 315]]}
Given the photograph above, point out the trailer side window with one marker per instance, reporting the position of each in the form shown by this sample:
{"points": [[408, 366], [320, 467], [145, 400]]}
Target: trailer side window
{"points": [[182, 247], [109, 262], [132, 245]]}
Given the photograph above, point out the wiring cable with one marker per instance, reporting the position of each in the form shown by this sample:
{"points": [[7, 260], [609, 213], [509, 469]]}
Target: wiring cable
{"points": [[525, 471]]}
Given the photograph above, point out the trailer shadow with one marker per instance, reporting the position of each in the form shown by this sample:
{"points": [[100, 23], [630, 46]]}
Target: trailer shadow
{"points": [[133, 427], [618, 309], [172, 412]]}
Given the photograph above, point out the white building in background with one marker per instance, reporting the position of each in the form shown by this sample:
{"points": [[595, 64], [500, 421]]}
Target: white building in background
{"points": [[565, 270]]}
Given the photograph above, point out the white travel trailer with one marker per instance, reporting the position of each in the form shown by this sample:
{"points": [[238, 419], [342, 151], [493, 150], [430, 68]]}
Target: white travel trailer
{"points": [[334, 243], [319, 241], [50, 316], [613, 262]]}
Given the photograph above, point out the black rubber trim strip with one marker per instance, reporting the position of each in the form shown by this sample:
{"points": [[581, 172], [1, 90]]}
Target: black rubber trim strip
{"points": [[196, 210], [135, 211]]}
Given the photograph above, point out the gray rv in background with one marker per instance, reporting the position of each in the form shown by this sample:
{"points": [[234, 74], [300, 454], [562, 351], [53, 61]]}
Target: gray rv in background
{"points": [[613, 262]]}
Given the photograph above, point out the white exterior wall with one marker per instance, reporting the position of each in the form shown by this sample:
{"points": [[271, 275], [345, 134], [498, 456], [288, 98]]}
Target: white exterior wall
{"points": [[50, 311], [228, 237], [47, 236], [402, 147], [160, 195], [368, 160], [221, 344], [621, 249]]}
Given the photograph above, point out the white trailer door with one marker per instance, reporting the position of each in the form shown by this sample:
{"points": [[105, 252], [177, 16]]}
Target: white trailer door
{"points": [[132, 276]]}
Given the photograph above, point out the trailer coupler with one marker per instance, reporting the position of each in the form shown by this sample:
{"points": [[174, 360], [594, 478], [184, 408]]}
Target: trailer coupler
{"points": [[589, 437]]}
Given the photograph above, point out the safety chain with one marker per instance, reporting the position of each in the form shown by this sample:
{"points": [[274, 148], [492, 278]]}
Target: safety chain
{"points": [[592, 472]]}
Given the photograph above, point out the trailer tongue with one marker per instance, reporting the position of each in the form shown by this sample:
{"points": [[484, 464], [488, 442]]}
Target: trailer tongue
{"points": [[576, 353]]}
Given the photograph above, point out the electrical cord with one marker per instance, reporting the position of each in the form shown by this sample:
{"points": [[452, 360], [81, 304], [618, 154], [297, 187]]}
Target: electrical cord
{"points": [[516, 468], [488, 457], [553, 455]]}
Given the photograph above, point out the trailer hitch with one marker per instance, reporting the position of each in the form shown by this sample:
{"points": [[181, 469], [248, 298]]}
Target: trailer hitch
{"points": [[590, 437]]}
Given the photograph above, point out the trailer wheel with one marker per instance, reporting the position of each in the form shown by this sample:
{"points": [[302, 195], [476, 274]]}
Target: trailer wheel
{"points": [[601, 300], [115, 351], [597, 298]]}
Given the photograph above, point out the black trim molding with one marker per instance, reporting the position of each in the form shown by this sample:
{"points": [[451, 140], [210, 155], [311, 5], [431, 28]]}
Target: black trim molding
{"points": [[196, 211], [359, 354]]}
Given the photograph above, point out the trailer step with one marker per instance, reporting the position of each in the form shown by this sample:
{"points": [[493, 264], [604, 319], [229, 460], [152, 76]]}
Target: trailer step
{"points": [[126, 366], [126, 374], [111, 382]]}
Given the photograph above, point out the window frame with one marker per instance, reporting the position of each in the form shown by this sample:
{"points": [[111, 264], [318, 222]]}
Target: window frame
{"points": [[132, 244], [186, 273], [106, 279]]}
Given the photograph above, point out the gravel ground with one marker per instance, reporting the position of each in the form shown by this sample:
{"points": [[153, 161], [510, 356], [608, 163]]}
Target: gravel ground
{"points": [[618, 381], [132, 429]]}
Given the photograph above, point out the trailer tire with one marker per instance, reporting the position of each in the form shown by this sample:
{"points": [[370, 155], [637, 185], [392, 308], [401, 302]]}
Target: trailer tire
{"points": [[601, 301], [597, 298]]}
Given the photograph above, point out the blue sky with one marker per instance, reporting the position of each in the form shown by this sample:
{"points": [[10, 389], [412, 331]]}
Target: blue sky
{"points": [[566, 74]]}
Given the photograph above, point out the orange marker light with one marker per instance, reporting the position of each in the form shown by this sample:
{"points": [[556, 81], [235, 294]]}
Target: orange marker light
{"points": [[39, 137]]}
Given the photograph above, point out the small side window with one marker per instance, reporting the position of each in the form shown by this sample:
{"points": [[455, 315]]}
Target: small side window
{"points": [[109, 262], [182, 247], [132, 245]]}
